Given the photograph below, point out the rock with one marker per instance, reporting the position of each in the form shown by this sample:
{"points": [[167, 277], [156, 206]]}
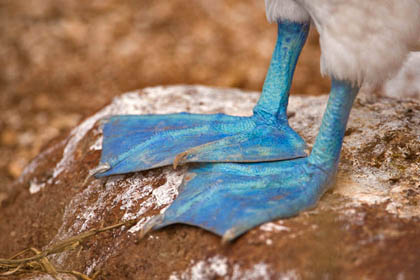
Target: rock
{"points": [[367, 226]]}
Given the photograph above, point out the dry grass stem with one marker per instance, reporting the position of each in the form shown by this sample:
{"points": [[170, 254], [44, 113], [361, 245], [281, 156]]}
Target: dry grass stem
{"points": [[39, 263]]}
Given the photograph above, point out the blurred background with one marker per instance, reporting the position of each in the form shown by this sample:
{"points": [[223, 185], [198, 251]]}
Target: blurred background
{"points": [[61, 60]]}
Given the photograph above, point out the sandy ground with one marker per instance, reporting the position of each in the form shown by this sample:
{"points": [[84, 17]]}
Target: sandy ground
{"points": [[64, 59]]}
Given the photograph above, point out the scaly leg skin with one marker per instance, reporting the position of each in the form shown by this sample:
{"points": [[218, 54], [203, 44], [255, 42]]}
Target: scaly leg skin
{"points": [[229, 199], [140, 142]]}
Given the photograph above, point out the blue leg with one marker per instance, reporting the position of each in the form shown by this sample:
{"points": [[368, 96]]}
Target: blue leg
{"points": [[229, 199], [134, 143]]}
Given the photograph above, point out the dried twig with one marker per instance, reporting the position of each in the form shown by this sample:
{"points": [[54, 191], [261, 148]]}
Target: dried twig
{"points": [[39, 262]]}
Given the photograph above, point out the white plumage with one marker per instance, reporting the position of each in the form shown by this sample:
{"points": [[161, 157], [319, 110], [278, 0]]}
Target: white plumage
{"points": [[362, 41], [407, 81], [285, 9]]}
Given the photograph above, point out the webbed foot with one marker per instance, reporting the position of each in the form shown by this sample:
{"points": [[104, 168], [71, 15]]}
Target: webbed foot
{"points": [[135, 143], [229, 199]]}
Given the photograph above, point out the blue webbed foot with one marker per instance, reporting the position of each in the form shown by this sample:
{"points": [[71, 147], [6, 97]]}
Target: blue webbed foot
{"points": [[229, 199], [135, 143]]}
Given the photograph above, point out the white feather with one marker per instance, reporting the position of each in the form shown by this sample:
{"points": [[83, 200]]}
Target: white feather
{"points": [[285, 9], [362, 41], [407, 81]]}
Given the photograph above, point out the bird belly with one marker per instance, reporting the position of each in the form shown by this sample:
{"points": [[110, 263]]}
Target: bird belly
{"points": [[364, 41]]}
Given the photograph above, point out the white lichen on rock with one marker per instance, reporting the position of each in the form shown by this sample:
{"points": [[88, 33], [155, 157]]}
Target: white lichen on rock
{"points": [[258, 271], [218, 267], [211, 268], [35, 186], [273, 227]]}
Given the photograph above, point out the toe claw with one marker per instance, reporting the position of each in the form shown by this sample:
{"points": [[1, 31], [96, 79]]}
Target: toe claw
{"points": [[101, 168], [230, 235], [150, 224], [180, 159]]}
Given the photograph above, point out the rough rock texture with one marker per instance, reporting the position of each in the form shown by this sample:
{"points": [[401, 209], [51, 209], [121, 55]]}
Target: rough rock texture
{"points": [[366, 227]]}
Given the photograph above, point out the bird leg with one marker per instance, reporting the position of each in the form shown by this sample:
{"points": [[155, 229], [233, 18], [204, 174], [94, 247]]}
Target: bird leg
{"points": [[229, 199], [140, 142]]}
